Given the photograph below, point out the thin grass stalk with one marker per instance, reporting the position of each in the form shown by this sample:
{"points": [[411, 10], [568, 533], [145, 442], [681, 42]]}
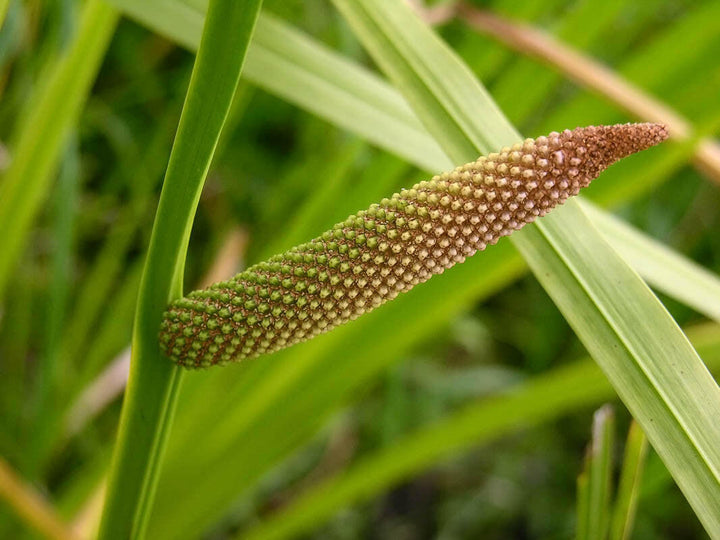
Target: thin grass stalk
{"points": [[628, 493], [154, 383], [598, 466], [49, 385]]}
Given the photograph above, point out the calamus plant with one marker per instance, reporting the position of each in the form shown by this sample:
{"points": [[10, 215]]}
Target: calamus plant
{"points": [[376, 254]]}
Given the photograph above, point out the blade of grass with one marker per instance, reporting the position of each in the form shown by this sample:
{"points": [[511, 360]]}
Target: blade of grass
{"points": [[99, 283], [15, 342], [663, 268], [281, 58], [87, 520], [154, 382], [582, 509], [543, 398], [656, 374], [73, 497], [112, 333], [3, 10], [468, 119], [49, 116], [485, 57], [647, 358], [100, 279], [598, 468], [10, 40], [628, 491]]}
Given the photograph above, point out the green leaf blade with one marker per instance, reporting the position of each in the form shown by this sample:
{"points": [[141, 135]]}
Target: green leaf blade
{"points": [[154, 382], [598, 468], [628, 493], [671, 394]]}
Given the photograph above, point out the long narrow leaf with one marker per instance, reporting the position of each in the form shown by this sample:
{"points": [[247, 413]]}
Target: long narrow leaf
{"points": [[598, 467], [660, 266], [647, 358], [154, 382], [582, 507], [285, 62], [629, 484]]}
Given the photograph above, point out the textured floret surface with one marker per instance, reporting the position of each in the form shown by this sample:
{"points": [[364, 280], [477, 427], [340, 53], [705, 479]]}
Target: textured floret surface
{"points": [[376, 254]]}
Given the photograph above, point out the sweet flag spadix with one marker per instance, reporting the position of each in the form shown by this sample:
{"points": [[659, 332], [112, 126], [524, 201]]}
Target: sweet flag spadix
{"points": [[376, 254]]}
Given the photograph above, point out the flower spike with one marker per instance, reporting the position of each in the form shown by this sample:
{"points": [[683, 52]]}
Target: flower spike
{"points": [[376, 254]]}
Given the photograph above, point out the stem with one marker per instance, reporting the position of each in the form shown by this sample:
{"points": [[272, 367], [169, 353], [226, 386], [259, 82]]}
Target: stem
{"points": [[154, 382]]}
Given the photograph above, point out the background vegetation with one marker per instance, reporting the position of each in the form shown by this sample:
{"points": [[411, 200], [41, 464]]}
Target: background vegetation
{"points": [[462, 409]]}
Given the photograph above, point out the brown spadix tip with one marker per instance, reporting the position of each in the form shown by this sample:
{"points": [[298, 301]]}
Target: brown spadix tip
{"points": [[376, 254]]}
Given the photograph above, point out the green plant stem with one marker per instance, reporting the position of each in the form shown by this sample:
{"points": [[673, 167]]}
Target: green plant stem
{"points": [[598, 466], [628, 491], [154, 382], [582, 507]]}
